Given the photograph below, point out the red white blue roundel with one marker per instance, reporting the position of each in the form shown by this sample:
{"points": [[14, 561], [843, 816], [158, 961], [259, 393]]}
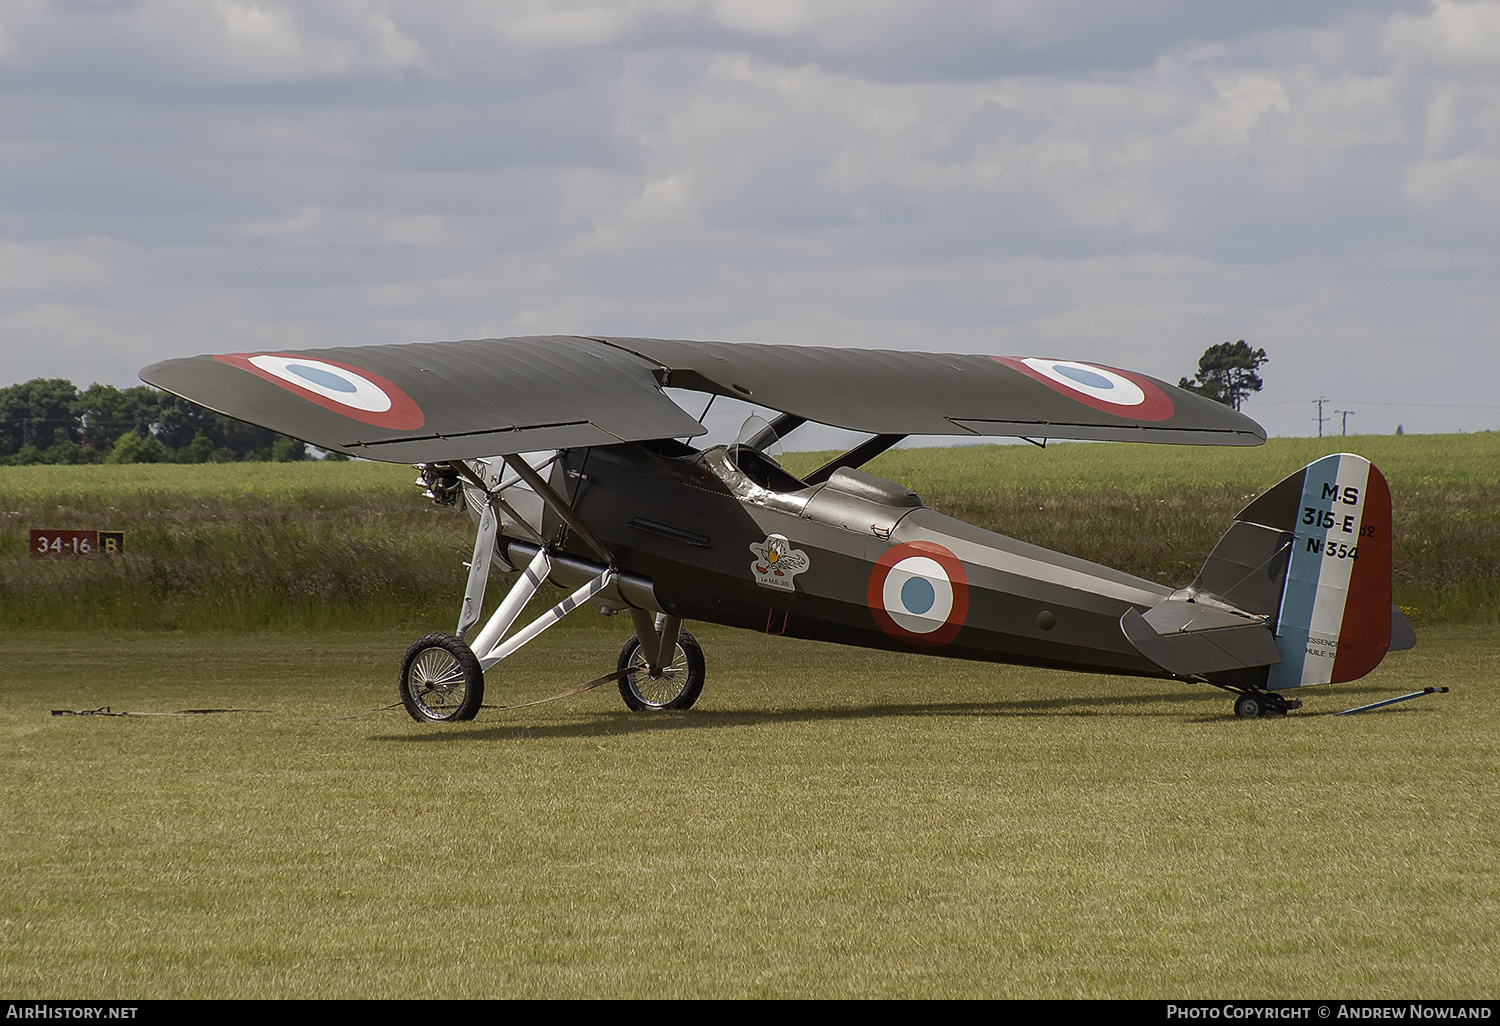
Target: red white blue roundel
{"points": [[339, 387], [1104, 388], [918, 593]]}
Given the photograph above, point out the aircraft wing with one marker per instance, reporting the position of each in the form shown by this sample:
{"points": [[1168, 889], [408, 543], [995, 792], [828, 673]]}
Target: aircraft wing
{"points": [[900, 393], [436, 401], [433, 401]]}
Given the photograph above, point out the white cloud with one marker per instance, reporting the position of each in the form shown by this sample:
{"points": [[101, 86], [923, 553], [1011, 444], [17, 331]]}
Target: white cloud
{"points": [[1451, 34], [319, 226], [765, 17], [1470, 182]]}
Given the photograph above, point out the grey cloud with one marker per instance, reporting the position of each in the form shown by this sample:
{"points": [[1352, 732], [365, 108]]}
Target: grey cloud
{"points": [[1127, 184]]}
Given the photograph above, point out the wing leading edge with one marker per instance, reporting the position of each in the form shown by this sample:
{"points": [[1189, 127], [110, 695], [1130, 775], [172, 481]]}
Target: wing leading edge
{"points": [[431, 401]]}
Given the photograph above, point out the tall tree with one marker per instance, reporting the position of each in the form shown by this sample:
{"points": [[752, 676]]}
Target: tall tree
{"points": [[1226, 373]]}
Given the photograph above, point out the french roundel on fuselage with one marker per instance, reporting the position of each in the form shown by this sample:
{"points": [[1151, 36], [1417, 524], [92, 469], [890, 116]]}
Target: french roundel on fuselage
{"points": [[918, 593]]}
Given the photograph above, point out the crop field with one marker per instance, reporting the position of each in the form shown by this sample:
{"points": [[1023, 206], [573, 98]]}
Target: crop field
{"points": [[352, 545], [826, 822]]}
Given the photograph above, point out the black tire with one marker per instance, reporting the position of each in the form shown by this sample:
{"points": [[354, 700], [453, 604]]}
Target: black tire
{"points": [[679, 685], [441, 681], [1247, 707]]}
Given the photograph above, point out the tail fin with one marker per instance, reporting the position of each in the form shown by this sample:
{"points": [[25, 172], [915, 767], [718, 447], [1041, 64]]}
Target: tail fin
{"points": [[1334, 623], [1313, 555], [1297, 592]]}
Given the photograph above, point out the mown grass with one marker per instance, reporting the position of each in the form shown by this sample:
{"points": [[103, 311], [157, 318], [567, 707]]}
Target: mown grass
{"points": [[352, 545], [827, 822]]}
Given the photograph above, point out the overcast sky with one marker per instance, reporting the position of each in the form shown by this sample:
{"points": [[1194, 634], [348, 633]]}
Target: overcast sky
{"points": [[1126, 183]]}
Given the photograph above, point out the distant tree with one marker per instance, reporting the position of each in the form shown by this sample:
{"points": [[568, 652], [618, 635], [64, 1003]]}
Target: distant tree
{"points": [[37, 413], [105, 413], [48, 420], [1226, 373]]}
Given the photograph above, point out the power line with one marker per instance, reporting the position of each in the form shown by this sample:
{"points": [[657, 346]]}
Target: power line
{"points": [[1356, 402]]}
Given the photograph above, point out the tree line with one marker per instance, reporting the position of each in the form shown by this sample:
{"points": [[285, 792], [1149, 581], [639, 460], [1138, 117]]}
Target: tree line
{"points": [[48, 420]]}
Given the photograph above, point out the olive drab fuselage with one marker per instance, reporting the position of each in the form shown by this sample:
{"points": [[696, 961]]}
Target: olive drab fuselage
{"points": [[705, 533]]}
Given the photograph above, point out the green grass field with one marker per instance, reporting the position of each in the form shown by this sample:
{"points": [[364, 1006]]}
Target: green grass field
{"points": [[828, 822]]}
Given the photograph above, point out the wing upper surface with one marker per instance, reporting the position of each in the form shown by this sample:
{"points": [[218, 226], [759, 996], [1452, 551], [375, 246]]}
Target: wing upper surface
{"points": [[891, 392], [430, 401], [460, 399]]}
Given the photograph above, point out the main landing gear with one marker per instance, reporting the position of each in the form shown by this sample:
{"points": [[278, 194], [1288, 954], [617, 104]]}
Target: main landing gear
{"points": [[675, 685], [442, 676], [1252, 704], [441, 681]]}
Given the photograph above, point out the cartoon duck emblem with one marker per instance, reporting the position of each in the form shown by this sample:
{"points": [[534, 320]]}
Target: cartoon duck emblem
{"points": [[776, 563]]}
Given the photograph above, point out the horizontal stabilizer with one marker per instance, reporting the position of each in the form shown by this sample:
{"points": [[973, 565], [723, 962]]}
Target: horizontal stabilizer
{"points": [[1190, 638], [1403, 634]]}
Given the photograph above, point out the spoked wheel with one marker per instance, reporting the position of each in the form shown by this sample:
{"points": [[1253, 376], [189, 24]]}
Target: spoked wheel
{"points": [[441, 681], [679, 685]]}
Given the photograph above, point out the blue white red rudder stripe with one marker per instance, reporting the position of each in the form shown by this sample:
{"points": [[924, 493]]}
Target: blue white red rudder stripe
{"points": [[1334, 622]]}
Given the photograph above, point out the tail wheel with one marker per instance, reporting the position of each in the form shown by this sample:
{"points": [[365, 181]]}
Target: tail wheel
{"points": [[441, 681], [678, 686], [1263, 704]]}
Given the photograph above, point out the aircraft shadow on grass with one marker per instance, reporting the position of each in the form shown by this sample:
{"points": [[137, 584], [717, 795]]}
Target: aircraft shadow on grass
{"points": [[616, 724]]}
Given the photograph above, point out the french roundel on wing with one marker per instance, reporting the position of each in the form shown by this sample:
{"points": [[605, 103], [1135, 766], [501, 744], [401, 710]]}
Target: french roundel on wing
{"points": [[340, 387], [1109, 389], [918, 593]]}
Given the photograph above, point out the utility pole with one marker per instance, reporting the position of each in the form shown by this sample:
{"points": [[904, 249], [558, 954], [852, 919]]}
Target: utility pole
{"points": [[1344, 424], [1320, 401]]}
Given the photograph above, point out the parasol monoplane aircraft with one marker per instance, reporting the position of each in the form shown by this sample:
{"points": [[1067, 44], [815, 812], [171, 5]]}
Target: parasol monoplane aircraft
{"points": [[576, 467]]}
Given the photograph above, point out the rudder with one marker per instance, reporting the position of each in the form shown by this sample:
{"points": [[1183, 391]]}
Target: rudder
{"points": [[1334, 620]]}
